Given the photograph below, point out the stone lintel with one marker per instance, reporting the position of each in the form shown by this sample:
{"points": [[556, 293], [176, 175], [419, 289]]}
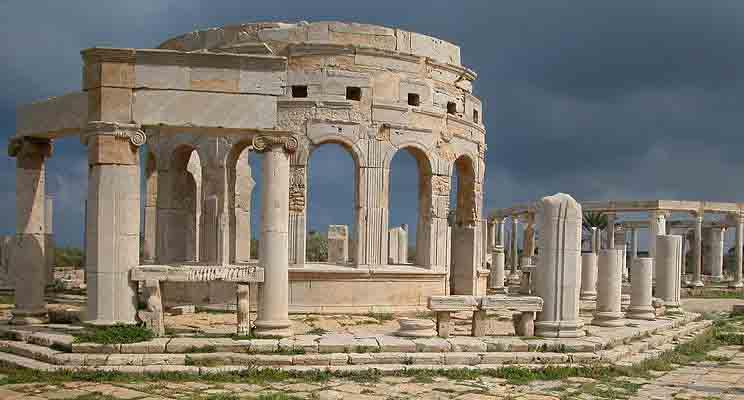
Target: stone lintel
{"points": [[197, 273]]}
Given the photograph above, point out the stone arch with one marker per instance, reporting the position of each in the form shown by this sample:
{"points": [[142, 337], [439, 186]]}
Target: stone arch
{"points": [[358, 158], [179, 205], [465, 240], [424, 218], [240, 184]]}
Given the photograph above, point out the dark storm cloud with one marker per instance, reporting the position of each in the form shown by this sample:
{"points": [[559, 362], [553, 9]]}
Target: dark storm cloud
{"points": [[624, 99]]}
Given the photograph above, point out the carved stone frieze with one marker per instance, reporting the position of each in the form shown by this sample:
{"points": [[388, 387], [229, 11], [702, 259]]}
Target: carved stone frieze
{"points": [[130, 132], [440, 185], [297, 190]]}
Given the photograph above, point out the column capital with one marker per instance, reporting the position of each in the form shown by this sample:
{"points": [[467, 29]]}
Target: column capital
{"points": [[263, 143], [131, 132], [698, 215], [29, 151]]}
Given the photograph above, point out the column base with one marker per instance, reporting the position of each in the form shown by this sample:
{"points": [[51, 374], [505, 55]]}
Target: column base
{"points": [[641, 312], [499, 290], [267, 329], [609, 319], [734, 284], [560, 329], [28, 317], [588, 296]]}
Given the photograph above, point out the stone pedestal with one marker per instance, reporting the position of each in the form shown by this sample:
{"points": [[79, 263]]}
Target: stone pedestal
{"points": [[338, 244], [113, 222], [28, 263], [559, 266], [640, 298], [668, 264], [417, 328], [609, 285], [589, 276], [273, 308], [497, 270]]}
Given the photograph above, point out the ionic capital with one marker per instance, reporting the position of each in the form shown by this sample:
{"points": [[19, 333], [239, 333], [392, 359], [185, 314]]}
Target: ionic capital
{"points": [[30, 152], [131, 132], [263, 143]]}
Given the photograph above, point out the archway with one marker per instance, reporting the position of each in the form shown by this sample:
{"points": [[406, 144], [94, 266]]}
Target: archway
{"points": [[332, 204], [181, 207], [463, 220], [410, 216]]}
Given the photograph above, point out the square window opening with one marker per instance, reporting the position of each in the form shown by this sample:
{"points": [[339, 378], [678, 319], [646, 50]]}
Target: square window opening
{"points": [[451, 108], [353, 93], [414, 99], [299, 91]]}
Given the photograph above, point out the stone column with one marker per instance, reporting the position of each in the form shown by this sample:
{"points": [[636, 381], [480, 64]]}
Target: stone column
{"points": [[243, 308], [609, 285], [497, 269], [559, 277], [403, 244], [640, 297], [588, 276], [273, 307], [634, 244], [656, 226], [610, 230], [529, 238], [668, 264], [595, 240], [28, 264], [113, 221], [714, 256], [514, 254], [697, 251], [214, 235], [240, 225], [297, 213], [500, 232], [738, 280], [49, 247], [338, 244], [492, 235], [372, 210]]}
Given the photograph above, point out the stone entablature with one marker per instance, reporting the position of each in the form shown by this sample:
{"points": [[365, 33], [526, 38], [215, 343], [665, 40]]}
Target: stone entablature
{"points": [[636, 206]]}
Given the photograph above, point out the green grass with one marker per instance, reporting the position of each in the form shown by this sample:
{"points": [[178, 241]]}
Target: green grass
{"points": [[381, 317], [115, 334], [715, 294], [316, 331]]}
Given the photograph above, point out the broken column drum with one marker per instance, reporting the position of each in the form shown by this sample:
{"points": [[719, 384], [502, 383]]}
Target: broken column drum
{"points": [[589, 276], [609, 285], [640, 297], [668, 265], [559, 265], [498, 274]]}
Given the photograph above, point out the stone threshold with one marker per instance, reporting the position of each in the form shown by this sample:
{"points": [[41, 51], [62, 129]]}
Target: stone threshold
{"points": [[47, 355], [600, 339], [24, 355]]}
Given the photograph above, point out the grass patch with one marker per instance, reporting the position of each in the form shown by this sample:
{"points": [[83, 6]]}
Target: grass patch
{"points": [[115, 334], [715, 294], [276, 396], [316, 331], [210, 348]]}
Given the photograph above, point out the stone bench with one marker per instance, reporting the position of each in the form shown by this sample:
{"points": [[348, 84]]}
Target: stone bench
{"points": [[153, 275], [522, 307]]}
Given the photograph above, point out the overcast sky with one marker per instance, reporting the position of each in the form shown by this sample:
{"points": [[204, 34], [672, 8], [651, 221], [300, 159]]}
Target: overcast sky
{"points": [[624, 99]]}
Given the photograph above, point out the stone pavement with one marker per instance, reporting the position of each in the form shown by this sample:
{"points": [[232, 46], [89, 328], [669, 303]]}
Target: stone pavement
{"points": [[720, 379]]}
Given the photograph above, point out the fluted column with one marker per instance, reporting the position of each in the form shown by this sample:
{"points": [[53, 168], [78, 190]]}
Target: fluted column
{"points": [[113, 221], [297, 214], [559, 267], [497, 269], [656, 226], [514, 253], [27, 264], [668, 264], [697, 250], [273, 307], [738, 280]]}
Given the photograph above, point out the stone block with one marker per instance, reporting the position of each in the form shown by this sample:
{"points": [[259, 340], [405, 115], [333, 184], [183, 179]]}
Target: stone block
{"points": [[426, 358], [183, 310], [56, 114], [263, 345], [432, 345], [469, 344], [395, 344], [462, 358]]}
